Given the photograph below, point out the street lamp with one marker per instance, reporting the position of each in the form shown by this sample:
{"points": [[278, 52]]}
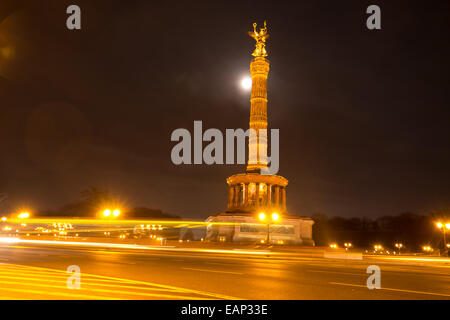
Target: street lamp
{"points": [[427, 249], [108, 214], [347, 245], [444, 227], [275, 217], [23, 215], [399, 246], [378, 247], [262, 216]]}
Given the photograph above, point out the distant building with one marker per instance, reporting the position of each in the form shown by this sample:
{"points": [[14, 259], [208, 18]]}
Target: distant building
{"points": [[252, 194]]}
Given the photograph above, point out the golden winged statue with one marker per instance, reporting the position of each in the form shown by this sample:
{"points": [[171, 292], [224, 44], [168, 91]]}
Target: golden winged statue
{"points": [[260, 37]]}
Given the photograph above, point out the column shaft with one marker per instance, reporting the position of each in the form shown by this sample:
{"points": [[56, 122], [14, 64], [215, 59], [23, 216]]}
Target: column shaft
{"points": [[237, 196], [246, 202], [257, 194], [230, 196], [276, 199], [284, 197]]}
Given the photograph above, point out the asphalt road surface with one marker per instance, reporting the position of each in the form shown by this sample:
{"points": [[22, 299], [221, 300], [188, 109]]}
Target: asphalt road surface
{"points": [[39, 271]]}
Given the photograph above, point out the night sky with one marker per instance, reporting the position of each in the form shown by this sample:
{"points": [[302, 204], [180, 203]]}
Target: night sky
{"points": [[363, 115]]}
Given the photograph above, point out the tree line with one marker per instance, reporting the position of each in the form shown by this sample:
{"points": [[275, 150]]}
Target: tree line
{"points": [[412, 230], [94, 200]]}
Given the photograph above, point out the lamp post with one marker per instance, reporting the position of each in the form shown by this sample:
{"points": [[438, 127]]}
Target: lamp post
{"points": [[262, 217], [399, 246], [427, 249], [444, 227], [378, 247]]}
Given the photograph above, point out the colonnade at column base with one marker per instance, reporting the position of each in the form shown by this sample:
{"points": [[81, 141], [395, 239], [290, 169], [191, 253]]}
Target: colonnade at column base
{"points": [[252, 192]]}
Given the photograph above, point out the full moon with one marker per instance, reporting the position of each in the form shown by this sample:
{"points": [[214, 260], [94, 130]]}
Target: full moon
{"points": [[246, 83]]}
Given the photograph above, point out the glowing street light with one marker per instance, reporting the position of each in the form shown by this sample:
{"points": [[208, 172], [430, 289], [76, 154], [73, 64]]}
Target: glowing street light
{"points": [[23, 215], [333, 245], [444, 227], [399, 246], [378, 247], [111, 214], [427, 249], [275, 217]]}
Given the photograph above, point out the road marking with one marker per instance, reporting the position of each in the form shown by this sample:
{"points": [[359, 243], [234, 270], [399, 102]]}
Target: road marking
{"points": [[339, 272], [443, 260], [216, 271], [325, 264], [345, 256], [86, 282], [219, 263], [392, 289], [119, 292], [59, 294], [178, 289]]}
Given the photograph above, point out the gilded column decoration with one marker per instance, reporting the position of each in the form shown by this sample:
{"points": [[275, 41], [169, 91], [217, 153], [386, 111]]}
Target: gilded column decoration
{"points": [[259, 70], [258, 192]]}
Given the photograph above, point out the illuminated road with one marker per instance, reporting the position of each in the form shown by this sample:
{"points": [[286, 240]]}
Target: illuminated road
{"points": [[38, 271]]}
